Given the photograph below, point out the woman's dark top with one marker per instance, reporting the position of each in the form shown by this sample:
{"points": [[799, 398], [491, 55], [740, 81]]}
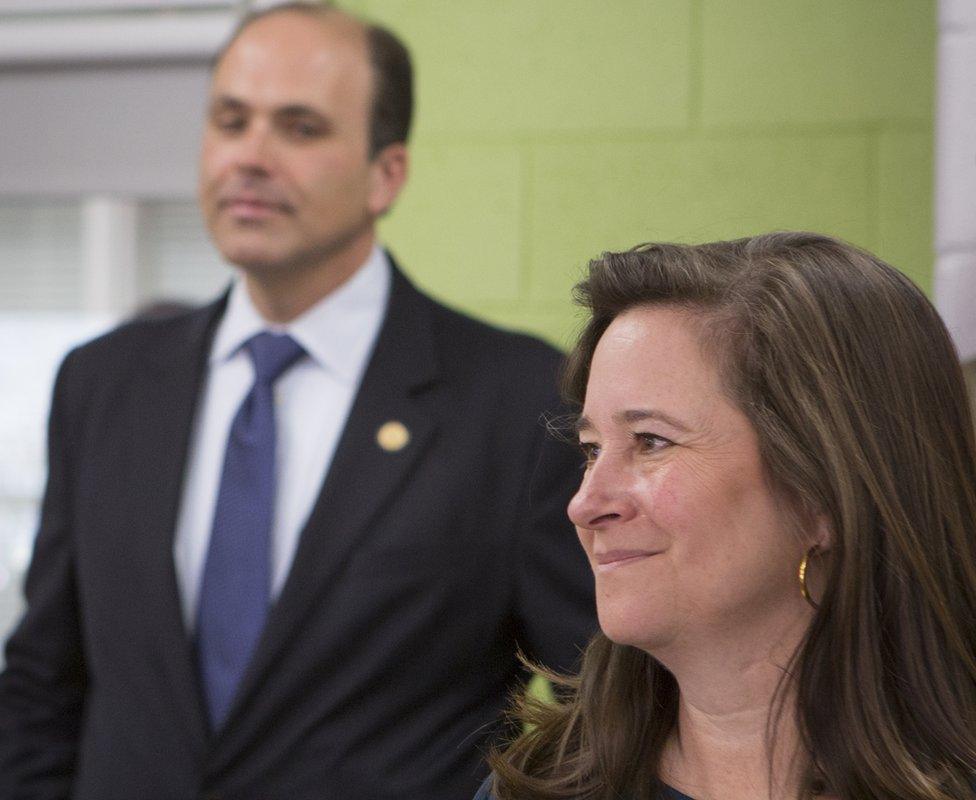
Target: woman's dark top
{"points": [[667, 793]]}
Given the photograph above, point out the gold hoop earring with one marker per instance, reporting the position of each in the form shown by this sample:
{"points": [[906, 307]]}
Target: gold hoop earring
{"points": [[802, 575]]}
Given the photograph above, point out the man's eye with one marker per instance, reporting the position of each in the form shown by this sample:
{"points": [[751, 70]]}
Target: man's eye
{"points": [[304, 130], [230, 123]]}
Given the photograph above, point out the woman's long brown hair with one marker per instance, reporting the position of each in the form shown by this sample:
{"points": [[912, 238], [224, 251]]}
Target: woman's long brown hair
{"points": [[855, 390]]}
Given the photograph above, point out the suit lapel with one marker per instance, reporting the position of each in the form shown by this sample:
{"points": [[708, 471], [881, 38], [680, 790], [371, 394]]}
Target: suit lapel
{"points": [[164, 398], [363, 474]]}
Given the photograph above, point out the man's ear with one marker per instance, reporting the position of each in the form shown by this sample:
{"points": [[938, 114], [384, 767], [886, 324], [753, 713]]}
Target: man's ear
{"points": [[389, 170]]}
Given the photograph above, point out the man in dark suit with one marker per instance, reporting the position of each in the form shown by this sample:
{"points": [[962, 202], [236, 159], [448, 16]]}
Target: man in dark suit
{"points": [[291, 542]]}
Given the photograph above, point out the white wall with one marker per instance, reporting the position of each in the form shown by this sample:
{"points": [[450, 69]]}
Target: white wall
{"points": [[955, 212]]}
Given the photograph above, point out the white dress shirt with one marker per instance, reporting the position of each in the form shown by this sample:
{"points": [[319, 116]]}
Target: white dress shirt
{"points": [[312, 402]]}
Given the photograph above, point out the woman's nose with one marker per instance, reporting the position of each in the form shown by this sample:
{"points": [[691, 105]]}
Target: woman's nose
{"points": [[604, 497]]}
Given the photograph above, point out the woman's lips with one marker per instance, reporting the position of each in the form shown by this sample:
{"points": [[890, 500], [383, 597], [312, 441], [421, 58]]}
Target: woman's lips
{"points": [[613, 559]]}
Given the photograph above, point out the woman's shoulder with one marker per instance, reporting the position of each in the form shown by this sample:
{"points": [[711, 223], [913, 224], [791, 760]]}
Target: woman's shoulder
{"points": [[667, 793], [484, 793]]}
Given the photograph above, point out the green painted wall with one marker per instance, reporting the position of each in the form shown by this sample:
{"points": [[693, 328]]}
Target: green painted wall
{"points": [[549, 131]]}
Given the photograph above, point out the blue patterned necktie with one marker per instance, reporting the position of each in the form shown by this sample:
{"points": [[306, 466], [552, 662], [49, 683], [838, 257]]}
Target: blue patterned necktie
{"points": [[234, 594]]}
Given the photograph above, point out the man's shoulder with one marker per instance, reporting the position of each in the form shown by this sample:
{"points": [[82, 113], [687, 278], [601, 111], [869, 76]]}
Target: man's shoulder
{"points": [[139, 337], [466, 337]]}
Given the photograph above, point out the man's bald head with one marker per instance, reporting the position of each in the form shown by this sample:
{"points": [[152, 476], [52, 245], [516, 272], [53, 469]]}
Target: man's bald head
{"points": [[391, 109]]}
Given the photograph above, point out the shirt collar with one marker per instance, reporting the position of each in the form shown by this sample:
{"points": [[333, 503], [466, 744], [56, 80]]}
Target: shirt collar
{"points": [[337, 332]]}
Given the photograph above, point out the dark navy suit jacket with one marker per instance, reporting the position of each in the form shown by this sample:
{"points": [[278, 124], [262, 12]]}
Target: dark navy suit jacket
{"points": [[391, 649]]}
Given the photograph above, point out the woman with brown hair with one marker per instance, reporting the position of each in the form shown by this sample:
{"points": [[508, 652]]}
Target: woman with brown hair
{"points": [[779, 507]]}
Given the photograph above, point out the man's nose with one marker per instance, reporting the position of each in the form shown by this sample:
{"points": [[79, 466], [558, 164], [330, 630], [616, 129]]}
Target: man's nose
{"points": [[605, 496], [255, 150]]}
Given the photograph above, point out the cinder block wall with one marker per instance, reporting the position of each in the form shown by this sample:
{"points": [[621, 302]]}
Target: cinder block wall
{"points": [[550, 130]]}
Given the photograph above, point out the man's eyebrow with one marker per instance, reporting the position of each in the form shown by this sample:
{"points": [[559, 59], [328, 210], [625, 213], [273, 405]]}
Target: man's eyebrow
{"points": [[227, 100], [292, 110], [298, 110]]}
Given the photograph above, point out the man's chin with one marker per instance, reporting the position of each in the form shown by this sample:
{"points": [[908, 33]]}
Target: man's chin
{"points": [[248, 244], [252, 258]]}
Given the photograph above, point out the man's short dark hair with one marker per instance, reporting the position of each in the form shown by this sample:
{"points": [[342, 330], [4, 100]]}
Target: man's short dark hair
{"points": [[392, 107], [391, 110]]}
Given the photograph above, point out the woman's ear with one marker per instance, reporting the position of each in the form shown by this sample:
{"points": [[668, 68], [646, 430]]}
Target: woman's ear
{"points": [[823, 533]]}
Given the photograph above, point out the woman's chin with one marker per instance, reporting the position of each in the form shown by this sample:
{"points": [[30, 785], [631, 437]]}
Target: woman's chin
{"points": [[624, 629]]}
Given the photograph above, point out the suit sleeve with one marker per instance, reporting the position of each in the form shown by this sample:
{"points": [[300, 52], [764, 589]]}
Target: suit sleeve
{"points": [[556, 609], [43, 683]]}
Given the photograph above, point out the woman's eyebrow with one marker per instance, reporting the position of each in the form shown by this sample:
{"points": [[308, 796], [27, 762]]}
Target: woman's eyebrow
{"points": [[630, 416], [640, 414]]}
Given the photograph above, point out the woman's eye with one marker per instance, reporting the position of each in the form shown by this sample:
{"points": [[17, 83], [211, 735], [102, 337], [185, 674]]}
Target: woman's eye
{"points": [[590, 452], [651, 442]]}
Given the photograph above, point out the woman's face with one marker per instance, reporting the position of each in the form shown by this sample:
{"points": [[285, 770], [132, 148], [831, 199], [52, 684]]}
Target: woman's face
{"points": [[687, 540]]}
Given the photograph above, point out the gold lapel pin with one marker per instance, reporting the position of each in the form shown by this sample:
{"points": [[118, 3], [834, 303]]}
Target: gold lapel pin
{"points": [[392, 436]]}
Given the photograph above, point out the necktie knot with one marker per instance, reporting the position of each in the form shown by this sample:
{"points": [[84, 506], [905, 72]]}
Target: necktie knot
{"points": [[272, 354]]}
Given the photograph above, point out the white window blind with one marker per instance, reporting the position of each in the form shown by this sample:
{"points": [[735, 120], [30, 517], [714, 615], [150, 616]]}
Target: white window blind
{"points": [[176, 258], [40, 247]]}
